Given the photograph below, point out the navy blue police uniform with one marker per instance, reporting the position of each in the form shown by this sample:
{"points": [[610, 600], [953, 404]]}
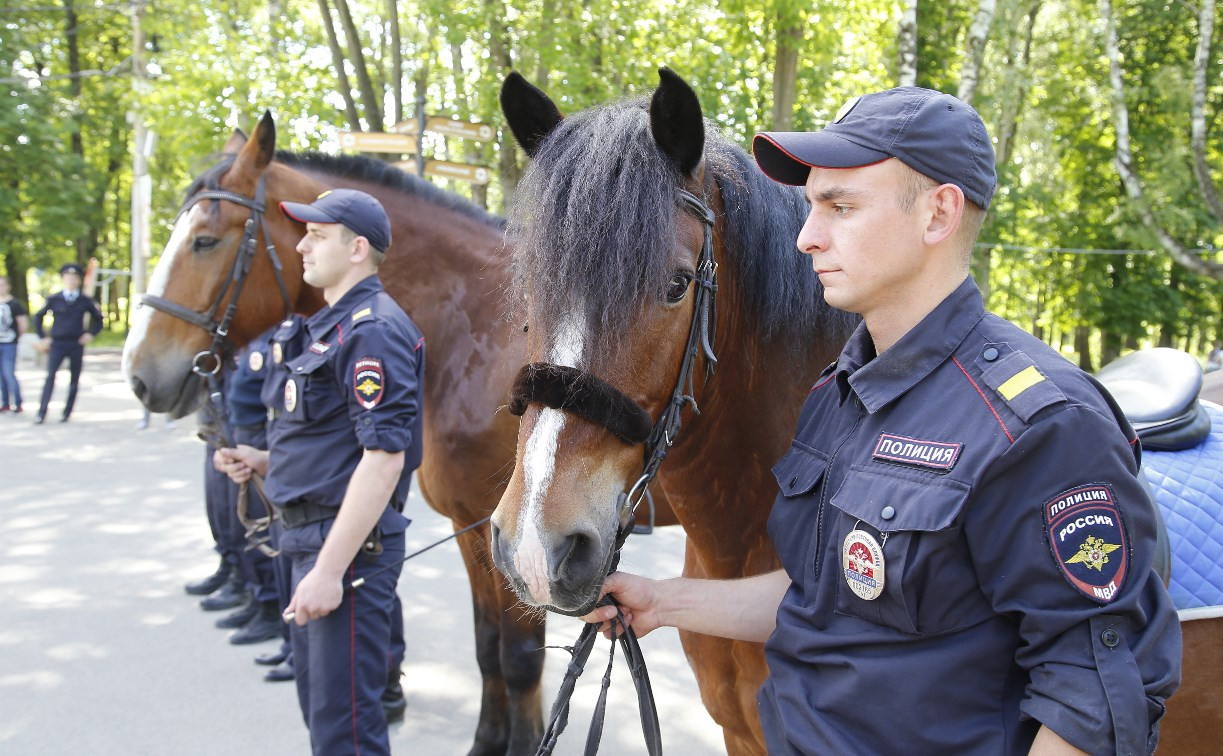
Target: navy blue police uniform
{"points": [[75, 315], [248, 425], [970, 554], [356, 385]]}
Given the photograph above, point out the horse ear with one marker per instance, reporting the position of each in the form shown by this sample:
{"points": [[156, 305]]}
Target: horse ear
{"points": [[530, 113], [676, 121], [261, 148], [235, 143]]}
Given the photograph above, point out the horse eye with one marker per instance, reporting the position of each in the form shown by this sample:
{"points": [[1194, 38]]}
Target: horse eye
{"points": [[204, 243], [677, 288]]}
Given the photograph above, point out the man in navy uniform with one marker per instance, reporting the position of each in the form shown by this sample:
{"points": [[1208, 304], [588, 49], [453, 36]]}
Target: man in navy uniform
{"points": [[966, 549], [339, 462], [77, 321]]}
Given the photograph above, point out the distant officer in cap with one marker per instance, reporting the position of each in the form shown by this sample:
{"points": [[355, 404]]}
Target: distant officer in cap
{"points": [[966, 548], [76, 321], [339, 462]]}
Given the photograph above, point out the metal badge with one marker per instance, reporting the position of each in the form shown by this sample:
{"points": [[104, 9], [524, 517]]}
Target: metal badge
{"points": [[256, 361], [290, 395], [862, 561], [278, 353]]}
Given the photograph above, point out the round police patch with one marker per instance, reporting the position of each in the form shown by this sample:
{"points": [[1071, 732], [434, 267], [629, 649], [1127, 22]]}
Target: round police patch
{"points": [[255, 361], [862, 561], [278, 352], [1088, 540], [290, 395]]}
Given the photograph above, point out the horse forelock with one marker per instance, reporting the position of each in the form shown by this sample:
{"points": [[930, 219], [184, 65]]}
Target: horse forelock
{"points": [[593, 225]]}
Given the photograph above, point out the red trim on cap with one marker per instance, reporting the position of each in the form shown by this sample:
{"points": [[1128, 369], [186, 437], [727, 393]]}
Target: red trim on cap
{"points": [[800, 161]]}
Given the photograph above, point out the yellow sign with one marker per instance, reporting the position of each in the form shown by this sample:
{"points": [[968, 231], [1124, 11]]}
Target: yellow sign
{"points": [[476, 174], [480, 132]]}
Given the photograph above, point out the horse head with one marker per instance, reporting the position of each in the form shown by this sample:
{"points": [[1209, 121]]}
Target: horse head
{"points": [[229, 238], [610, 227]]}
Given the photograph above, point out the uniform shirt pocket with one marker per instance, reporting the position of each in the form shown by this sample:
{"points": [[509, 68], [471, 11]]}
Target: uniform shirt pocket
{"points": [[307, 388], [929, 585], [792, 522]]}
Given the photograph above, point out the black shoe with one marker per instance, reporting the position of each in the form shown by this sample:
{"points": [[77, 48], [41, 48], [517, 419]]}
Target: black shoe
{"points": [[393, 702], [64, 419], [210, 583], [239, 617], [274, 658], [231, 595], [265, 625], [282, 672], [40, 420]]}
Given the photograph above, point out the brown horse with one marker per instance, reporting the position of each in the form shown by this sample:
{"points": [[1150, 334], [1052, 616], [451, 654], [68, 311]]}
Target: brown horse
{"points": [[605, 256], [448, 268]]}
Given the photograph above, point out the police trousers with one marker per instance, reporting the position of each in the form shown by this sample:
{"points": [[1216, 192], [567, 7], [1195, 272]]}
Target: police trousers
{"points": [[342, 660]]}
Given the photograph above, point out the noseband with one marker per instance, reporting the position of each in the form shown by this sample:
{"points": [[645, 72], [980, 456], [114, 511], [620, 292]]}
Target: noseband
{"points": [[579, 392], [219, 329]]}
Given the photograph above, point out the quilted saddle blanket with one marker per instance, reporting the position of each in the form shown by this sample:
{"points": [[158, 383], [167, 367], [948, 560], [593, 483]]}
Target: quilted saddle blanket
{"points": [[1189, 489]]}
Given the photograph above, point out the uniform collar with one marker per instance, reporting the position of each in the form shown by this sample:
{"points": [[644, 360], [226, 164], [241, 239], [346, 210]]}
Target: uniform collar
{"points": [[879, 380], [322, 322]]}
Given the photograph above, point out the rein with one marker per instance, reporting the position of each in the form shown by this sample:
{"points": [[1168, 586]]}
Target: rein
{"points": [[607, 401]]}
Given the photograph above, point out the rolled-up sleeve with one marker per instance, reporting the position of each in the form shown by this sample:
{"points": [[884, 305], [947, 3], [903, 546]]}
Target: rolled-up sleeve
{"points": [[1100, 636], [381, 378]]}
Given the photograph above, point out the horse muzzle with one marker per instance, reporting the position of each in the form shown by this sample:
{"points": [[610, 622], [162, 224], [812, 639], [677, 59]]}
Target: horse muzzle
{"points": [[562, 573]]}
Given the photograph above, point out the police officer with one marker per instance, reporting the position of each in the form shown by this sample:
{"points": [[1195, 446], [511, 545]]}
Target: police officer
{"points": [[77, 321], [339, 461], [966, 548]]}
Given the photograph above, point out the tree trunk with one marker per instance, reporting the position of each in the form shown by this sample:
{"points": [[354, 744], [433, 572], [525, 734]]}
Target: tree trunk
{"points": [[1124, 160], [547, 39], [1082, 345], [507, 162], [785, 71], [1201, 61], [1012, 105], [978, 36], [396, 63], [906, 45], [337, 61], [356, 51]]}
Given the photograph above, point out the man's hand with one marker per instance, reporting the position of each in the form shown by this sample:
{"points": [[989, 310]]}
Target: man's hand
{"points": [[317, 595], [85, 339], [240, 462], [44, 346], [638, 599]]}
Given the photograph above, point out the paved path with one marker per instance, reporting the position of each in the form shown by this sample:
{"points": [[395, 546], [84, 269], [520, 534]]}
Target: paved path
{"points": [[102, 653]]}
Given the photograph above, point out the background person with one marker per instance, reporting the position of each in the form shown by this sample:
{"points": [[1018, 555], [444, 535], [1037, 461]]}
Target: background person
{"points": [[14, 321], [77, 321], [966, 548]]}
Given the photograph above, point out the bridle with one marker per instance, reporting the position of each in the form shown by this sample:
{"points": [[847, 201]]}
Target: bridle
{"points": [[247, 251], [574, 390]]}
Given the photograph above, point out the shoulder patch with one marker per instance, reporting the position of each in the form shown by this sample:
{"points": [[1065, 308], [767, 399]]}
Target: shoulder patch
{"points": [[364, 312], [1088, 540], [1022, 385], [368, 381]]}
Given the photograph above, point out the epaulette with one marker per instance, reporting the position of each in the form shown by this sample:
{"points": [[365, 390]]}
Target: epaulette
{"points": [[1022, 385], [365, 311]]}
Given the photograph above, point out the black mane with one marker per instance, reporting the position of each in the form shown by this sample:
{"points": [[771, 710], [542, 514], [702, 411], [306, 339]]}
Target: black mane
{"points": [[593, 223], [359, 168]]}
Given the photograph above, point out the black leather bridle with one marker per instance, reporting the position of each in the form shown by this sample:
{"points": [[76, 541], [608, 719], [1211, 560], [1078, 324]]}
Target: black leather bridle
{"points": [[247, 250], [659, 441]]}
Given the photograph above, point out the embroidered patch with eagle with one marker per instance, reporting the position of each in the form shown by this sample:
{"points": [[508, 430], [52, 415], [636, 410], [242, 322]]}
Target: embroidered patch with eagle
{"points": [[368, 381]]}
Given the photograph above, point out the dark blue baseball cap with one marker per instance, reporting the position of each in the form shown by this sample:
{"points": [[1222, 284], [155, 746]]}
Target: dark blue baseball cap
{"points": [[933, 133], [71, 268], [360, 212]]}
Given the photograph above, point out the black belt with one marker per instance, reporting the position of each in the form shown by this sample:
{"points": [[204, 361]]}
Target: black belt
{"points": [[304, 513], [252, 427]]}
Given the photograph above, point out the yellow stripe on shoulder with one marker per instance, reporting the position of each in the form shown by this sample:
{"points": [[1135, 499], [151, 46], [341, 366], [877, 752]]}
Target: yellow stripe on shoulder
{"points": [[361, 313], [1020, 382]]}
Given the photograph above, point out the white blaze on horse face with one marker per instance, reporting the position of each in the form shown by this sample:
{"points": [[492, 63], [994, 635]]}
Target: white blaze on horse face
{"points": [[157, 287], [538, 466]]}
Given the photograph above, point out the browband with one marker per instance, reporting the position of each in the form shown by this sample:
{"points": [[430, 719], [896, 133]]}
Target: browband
{"points": [[573, 390]]}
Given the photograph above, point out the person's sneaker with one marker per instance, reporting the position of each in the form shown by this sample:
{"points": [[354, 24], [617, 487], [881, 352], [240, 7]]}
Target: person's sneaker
{"points": [[40, 420], [5, 408], [143, 424], [170, 425], [17, 410]]}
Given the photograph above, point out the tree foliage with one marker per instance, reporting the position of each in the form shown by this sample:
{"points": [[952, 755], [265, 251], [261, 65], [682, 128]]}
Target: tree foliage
{"points": [[1042, 88]]}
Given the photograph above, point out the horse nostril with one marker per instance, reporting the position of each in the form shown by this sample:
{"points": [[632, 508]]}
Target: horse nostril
{"points": [[575, 555], [139, 389]]}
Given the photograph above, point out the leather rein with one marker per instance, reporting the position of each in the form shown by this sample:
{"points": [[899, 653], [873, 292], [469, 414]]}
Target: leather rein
{"points": [[657, 444]]}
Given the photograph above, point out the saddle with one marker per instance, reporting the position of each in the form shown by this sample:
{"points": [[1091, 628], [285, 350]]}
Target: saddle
{"points": [[1158, 389]]}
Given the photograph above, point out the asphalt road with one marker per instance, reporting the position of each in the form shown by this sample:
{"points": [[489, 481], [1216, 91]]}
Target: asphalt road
{"points": [[102, 653]]}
